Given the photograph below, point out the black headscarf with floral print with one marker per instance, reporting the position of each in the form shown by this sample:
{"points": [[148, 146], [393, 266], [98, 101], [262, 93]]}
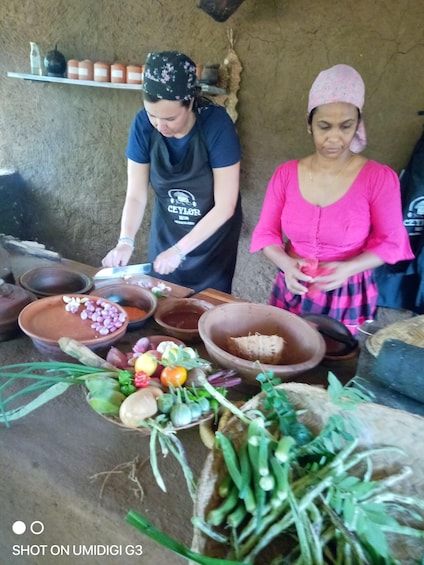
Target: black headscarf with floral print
{"points": [[169, 75]]}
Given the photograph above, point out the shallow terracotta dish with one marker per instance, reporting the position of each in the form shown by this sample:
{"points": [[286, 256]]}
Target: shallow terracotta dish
{"points": [[52, 281], [138, 302], [180, 317], [45, 321], [304, 347]]}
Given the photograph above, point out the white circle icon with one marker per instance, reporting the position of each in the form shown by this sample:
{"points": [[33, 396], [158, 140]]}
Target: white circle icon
{"points": [[18, 527], [37, 528]]}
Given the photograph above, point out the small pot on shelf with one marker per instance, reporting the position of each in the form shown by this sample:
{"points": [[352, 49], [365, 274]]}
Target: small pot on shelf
{"points": [[55, 63]]}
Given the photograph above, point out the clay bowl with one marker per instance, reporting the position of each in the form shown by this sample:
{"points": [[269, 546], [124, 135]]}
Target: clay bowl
{"points": [[51, 281], [46, 320], [138, 302], [13, 299], [304, 347], [179, 317]]}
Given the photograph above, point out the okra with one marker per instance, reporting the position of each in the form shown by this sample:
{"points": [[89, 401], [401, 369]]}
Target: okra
{"points": [[282, 453], [280, 472], [259, 492], [236, 517], [246, 491], [217, 516], [231, 460], [225, 485], [267, 482]]}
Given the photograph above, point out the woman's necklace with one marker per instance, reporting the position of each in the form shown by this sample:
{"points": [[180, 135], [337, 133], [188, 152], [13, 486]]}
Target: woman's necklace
{"points": [[311, 178]]}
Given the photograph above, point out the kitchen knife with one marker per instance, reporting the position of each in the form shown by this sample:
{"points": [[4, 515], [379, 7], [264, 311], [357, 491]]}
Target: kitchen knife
{"points": [[129, 271]]}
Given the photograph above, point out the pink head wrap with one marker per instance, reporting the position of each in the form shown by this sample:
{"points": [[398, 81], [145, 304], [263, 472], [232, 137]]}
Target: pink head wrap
{"points": [[341, 83]]}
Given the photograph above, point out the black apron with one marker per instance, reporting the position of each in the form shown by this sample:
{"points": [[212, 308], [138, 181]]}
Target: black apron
{"points": [[184, 195]]}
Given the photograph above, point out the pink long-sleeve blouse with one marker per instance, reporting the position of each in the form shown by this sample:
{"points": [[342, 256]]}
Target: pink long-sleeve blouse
{"points": [[367, 218]]}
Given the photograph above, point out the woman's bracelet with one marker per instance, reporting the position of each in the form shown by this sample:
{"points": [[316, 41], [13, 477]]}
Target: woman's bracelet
{"points": [[180, 253], [126, 241]]}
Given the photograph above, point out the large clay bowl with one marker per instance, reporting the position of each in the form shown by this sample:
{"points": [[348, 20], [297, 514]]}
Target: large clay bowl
{"points": [[304, 347], [179, 317], [139, 303], [52, 281], [46, 320]]}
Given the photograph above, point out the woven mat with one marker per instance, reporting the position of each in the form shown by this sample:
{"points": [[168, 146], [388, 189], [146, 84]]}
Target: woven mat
{"points": [[409, 331]]}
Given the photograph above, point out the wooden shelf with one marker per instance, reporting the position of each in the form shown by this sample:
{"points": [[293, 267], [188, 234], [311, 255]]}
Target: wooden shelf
{"points": [[207, 89]]}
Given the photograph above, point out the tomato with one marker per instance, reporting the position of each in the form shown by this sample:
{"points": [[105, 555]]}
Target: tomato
{"points": [[176, 376]]}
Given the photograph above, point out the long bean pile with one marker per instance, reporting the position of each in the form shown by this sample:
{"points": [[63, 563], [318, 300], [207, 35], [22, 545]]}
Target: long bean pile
{"points": [[289, 497]]}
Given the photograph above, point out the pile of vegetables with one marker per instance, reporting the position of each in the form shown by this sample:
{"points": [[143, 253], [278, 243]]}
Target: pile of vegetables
{"points": [[287, 496], [150, 382], [153, 389]]}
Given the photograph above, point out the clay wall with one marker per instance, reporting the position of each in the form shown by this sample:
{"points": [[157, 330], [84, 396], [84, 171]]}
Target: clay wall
{"points": [[68, 142]]}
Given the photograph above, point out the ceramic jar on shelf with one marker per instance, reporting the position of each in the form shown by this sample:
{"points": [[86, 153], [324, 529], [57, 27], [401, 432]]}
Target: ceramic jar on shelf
{"points": [[73, 69], [134, 74], [118, 73], [86, 70], [101, 72]]}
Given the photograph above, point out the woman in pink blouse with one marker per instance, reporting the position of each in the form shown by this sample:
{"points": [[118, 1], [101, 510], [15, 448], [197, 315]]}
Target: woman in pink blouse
{"points": [[330, 218]]}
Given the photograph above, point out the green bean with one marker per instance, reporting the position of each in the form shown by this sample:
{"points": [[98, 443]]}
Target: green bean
{"points": [[154, 462], [299, 522]]}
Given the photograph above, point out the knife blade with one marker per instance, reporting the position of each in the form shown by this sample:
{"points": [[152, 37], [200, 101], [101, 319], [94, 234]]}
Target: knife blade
{"points": [[128, 271]]}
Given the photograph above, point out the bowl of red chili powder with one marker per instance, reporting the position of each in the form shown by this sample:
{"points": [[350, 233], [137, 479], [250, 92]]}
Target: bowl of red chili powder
{"points": [[139, 303]]}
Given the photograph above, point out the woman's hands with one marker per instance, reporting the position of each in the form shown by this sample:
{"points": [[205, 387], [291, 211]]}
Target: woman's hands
{"points": [[331, 275], [292, 268], [307, 275], [118, 256], [335, 273], [295, 276], [167, 261]]}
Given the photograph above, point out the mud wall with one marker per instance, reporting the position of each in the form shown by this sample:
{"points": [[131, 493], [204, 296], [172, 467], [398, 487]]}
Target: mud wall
{"points": [[68, 142]]}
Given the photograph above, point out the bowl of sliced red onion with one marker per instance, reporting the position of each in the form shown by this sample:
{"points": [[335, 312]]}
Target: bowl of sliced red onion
{"points": [[94, 321]]}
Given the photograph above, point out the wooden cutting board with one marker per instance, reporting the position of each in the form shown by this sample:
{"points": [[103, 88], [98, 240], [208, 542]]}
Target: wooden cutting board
{"points": [[22, 263], [146, 281], [217, 297]]}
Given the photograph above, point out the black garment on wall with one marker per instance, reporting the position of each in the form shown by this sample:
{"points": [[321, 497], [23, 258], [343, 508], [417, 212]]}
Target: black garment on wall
{"points": [[402, 285]]}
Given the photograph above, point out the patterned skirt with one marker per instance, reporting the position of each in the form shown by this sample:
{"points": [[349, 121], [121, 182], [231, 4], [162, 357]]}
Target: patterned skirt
{"points": [[352, 304]]}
